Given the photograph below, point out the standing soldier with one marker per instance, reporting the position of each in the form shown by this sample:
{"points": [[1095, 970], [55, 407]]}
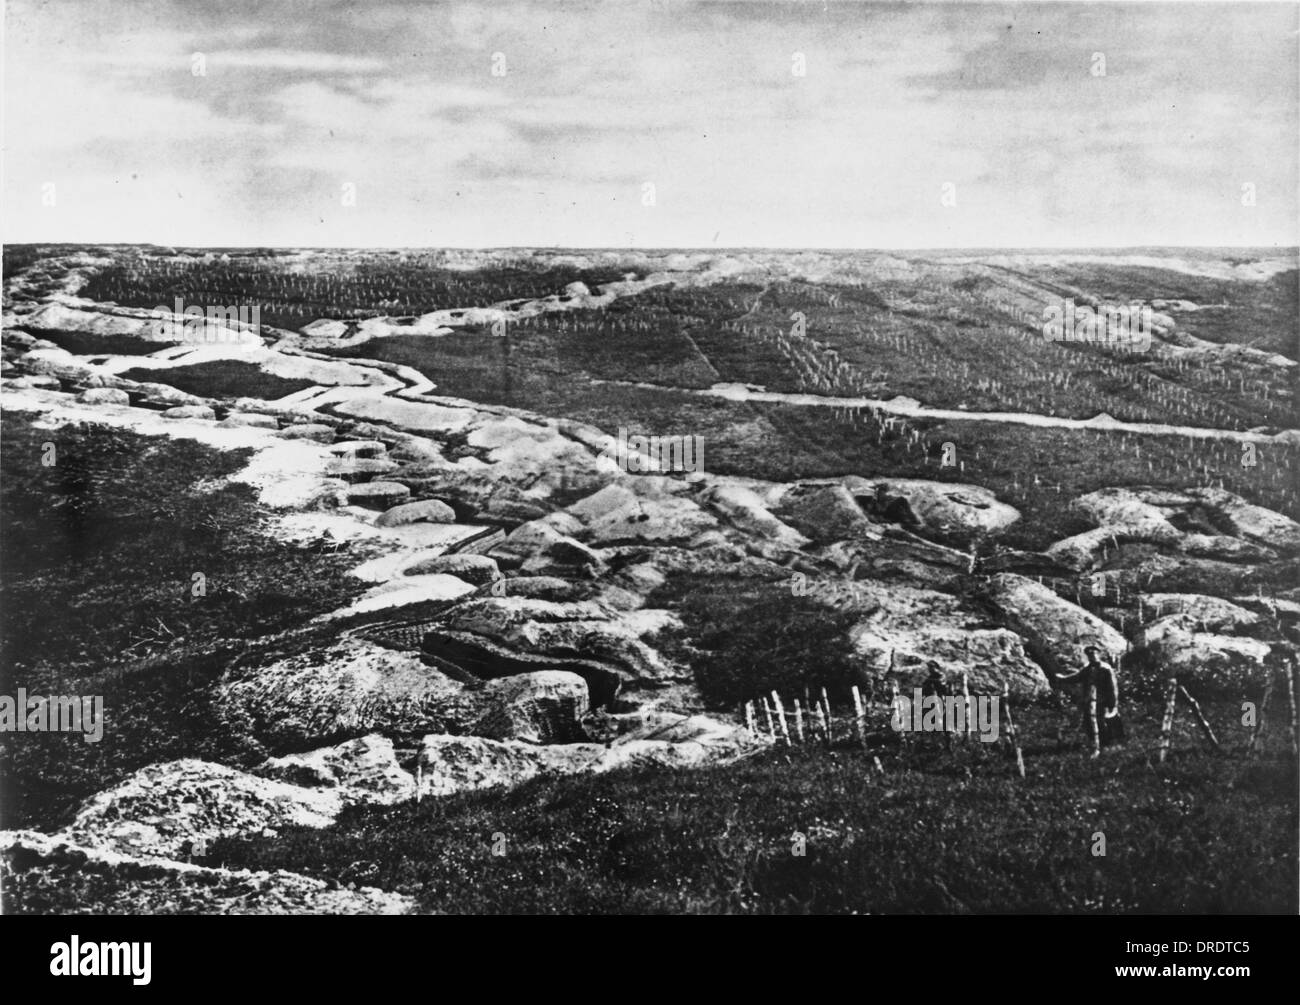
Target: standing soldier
{"points": [[1100, 674], [934, 683]]}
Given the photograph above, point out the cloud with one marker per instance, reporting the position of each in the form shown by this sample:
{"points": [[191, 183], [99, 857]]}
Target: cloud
{"points": [[285, 59], [897, 100]]}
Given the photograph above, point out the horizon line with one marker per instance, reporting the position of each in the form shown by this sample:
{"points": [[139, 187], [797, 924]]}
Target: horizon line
{"points": [[1274, 248]]}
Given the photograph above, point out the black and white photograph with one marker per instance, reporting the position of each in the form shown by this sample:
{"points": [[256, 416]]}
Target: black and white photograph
{"points": [[651, 458]]}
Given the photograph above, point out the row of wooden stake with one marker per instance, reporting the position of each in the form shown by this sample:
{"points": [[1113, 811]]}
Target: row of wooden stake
{"points": [[820, 722], [1174, 690]]}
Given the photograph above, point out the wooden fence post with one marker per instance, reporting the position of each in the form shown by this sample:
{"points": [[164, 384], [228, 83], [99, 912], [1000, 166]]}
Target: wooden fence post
{"points": [[1167, 724], [1290, 682], [1011, 730], [859, 717], [798, 721], [1260, 715], [780, 716], [1200, 717], [767, 714], [819, 719], [965, 694], [1094, 740], [749, 718], [895, 711], [830, 725]]}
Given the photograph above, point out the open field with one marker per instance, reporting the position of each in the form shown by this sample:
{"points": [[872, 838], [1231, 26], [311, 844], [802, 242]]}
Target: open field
{"points": [[424, 573], [1037, 470], [289, 294], [99, 593], [944, 342], [222, 379], [940, 833]]}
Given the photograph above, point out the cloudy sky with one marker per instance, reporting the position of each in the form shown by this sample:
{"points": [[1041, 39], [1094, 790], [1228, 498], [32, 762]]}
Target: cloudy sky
{"points": [[303, 103]]}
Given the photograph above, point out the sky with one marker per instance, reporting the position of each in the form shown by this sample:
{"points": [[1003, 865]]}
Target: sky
{"points": [[651, 123]]}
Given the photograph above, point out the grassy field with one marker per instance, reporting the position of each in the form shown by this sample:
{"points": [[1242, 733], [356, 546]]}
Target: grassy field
{"points": [[943, 342], [939, 832], [932, 342], [939, 336], [336, 285], [101, 550], [746, 637], [1037, 470], [221, 378], [1261, 315], [98, 597], [951, 349]]}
